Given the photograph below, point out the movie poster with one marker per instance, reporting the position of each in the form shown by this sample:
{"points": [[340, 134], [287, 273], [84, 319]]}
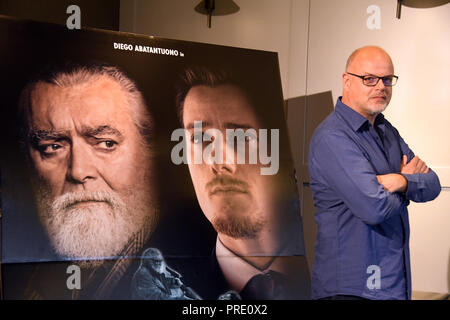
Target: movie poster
{"points": [[135, 167]]}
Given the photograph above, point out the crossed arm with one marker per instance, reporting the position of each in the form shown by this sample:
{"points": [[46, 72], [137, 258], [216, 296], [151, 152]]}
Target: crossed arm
{"points": [[396, 182], [338, 163], [415, 180]]}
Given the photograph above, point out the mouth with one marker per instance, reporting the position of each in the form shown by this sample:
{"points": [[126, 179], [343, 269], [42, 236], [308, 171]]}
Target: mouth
{"points": [[227, 190], [84, 203]]}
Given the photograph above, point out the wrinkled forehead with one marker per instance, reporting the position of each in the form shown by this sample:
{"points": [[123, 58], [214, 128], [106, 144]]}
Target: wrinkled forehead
{"points": [[100, 95], [72, 87], [87, 109]]}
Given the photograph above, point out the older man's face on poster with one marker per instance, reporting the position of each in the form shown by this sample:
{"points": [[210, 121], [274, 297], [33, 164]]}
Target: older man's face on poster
{"points": [[93, 181]]}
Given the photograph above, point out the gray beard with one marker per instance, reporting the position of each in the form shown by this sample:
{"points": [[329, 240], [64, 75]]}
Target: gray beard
{"points": [[97, 229]]}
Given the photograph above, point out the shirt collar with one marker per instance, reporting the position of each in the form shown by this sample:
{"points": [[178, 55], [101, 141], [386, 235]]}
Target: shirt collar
{"points": [[354, 119], [236, 270], [380, 123]]}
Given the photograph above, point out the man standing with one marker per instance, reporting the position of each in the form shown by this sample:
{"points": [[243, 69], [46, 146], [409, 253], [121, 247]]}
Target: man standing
{"points": [[259, 248], [86, 131], [363, 176]]}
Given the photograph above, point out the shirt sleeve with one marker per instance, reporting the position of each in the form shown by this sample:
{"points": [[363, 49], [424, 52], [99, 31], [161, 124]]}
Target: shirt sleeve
{"points": [[344, 168], [422, 187]]}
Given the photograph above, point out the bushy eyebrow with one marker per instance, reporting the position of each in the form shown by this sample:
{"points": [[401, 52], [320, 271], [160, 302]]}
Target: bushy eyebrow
{"points": [[36, 136], [92, 132]]}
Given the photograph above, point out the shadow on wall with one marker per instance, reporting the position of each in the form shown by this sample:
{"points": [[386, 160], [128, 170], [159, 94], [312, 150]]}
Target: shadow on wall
{"points": [[303, 115]]}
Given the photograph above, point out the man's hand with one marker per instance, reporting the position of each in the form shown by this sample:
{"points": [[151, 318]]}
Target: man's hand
{"points": [[393, 182], [414, 166], [175, 282]]}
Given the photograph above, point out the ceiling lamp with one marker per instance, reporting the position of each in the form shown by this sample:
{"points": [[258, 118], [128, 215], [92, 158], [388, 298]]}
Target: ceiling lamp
{"points": [[418, 4], [216, 8]]}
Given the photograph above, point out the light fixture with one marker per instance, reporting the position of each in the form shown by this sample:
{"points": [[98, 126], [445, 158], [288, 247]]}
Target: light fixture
{"points": [[418, 4], [216, 8]]}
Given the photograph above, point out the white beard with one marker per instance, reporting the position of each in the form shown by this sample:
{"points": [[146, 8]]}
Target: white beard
{"points": [[375, 108], [378, 108], [97, 229]]}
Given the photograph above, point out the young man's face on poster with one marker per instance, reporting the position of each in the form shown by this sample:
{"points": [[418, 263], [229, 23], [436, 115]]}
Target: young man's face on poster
{"points": [[93, 167], [235, 197]]}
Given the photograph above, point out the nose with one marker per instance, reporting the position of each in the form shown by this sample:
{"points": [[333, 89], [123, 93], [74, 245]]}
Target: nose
{"points": [[380, 85], [227, 157], [223, 168], [81, 167]]}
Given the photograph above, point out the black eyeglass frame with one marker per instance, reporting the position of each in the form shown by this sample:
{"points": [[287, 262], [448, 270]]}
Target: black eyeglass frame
{"points": [[363, 78]]}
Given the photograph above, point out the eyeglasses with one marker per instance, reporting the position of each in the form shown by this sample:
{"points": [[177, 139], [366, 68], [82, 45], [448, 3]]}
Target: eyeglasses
{"points": [[372, 81]]}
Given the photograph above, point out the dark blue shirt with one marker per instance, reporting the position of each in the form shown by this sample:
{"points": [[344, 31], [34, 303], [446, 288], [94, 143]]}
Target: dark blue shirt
{"points": [[362, 245]]}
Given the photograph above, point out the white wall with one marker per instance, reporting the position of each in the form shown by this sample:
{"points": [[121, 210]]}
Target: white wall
{"points": [[418, 43], [259, 24]]}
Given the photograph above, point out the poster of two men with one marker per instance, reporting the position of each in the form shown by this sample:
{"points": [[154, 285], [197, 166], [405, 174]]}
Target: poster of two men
{"points": [[135, 167]]}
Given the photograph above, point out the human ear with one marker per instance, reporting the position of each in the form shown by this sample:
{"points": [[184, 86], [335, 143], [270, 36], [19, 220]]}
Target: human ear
{"points": [[345, 80]]}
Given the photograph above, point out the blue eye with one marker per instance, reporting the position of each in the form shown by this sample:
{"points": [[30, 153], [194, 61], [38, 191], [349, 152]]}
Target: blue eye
{"points": [[207, 137], [197, 138]]}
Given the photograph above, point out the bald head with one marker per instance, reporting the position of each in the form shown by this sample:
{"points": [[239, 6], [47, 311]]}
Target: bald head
{"points": [[369, 101], [367, 53]]}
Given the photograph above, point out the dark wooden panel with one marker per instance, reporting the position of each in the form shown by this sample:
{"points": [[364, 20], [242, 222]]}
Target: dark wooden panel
{"points": [[304, 114], [318, 107]]}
